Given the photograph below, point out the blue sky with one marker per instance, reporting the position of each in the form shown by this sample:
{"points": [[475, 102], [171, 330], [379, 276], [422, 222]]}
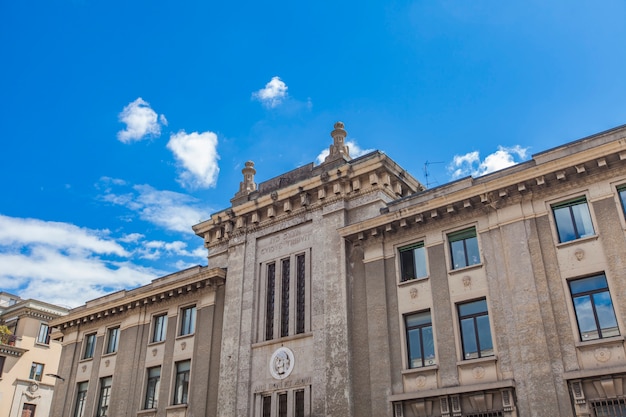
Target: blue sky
{"points": [[126, 122]]}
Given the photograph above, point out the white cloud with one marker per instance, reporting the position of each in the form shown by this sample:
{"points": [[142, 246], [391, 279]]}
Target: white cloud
{"points": [[141, 121], [273, 94], [470, 163], [167, 209], [156, 249], [353, 148], [197, 155]]}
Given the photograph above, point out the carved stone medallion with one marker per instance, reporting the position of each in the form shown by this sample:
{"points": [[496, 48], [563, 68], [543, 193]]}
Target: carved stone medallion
{"points": [[282, 362]]}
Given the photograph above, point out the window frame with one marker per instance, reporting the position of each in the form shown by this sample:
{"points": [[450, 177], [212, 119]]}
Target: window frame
{"points": [[36, 371], [182, 380], [159, 332], [621, 195], [112, 331], [406, 276], [408, 329], [43, 337], [104, 396], [476, 332], [574, 220], [89, 348], [464, 235], [153, 384], [187, 323], [81, 398], [590, 293]]}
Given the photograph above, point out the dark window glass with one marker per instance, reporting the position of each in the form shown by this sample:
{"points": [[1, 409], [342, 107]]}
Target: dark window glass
{"points": [[188, 320], [300, 293], [28, 410], [282, 405], [284, 299], [36, 371], [2, 358], [269, 302], [420, 342], [267, 406], [299, 411], [181, 385], [113, 337], [90, 345], [475, 329], [464, 248], [44, 334], [609, 408], [413, 262], [159, 329], [152, 388], [573, 220], [105, 396], [81, 397], [594, 309], [621, 190]]}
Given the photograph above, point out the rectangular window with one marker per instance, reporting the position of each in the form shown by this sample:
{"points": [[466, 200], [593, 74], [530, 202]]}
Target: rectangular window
{"points": [[187, 320], [152, 387], [181, 385], [36, 371], [159, 328], [90, 345], [286, 285], [299, 404], [419, 337], [621, 190], [594, 308], [43, 336], [609, 408], [113, 338], [475, 329], [2, 358], [282, 404], [104, 397], [266, 406], [573, 220], [413, 262], [464, 248], [28, 410], [81, 399]]}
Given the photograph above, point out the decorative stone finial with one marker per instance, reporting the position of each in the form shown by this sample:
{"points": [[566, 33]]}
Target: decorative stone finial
{"points": [[338, 150], [248, 185]]}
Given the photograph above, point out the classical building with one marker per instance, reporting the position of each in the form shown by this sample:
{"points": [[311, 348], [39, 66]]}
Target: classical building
{"points": [[28, 358], [348, 289]]}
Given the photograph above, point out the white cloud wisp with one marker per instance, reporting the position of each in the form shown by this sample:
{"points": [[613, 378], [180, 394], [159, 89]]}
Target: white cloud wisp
{"points": [[141, 122], [470, 163], [198, 159], [273, 94]]}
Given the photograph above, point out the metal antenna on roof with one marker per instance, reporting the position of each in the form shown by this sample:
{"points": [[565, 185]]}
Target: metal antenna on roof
{"points": [[426, 174]]}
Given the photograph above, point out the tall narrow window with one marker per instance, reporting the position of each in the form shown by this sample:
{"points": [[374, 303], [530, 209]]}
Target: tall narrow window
{"points": [[266, 406], [104, 397], [475, 330], [594, 308], [284, 299], [2, 358], [113, 337], [269, 301], [90, 345], [28, 410], [621, 190], [43, 336], [413, 262], [36, 371], [464, 248], [152, 387], [181, 385], [159, 328], [300, 293], [299, 404], [282, 404], [81, 399], [420, 342], [187, 320], [573, 220]]}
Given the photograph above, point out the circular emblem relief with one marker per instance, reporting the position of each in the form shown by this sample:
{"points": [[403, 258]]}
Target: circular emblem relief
{"points": [[281, 363]]}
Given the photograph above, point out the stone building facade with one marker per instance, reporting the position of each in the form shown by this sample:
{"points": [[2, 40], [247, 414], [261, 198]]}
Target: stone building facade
{"points": [[28, 357], [348, 289]]}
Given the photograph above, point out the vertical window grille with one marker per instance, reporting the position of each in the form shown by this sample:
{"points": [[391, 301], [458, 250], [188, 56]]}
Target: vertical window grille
{"points": [[301, 292], [269, 302], [284, 309], [282, 405], [81, 397], [105, 396], [610, 408]]}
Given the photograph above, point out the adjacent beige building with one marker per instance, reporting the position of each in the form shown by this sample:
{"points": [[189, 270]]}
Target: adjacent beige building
{"points": [[28, 358], [348, 289]]}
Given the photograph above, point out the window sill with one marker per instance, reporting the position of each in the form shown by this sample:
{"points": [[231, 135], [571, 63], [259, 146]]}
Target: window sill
{"points": [[282, 339], [485, 359], [147, 412], [160, 342], [85, 360], [576, 241], [465, 269], [429, 368], [176, 407], [42, 345], [185, 336], [104, 355], [412, 281], [603, 341]]}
